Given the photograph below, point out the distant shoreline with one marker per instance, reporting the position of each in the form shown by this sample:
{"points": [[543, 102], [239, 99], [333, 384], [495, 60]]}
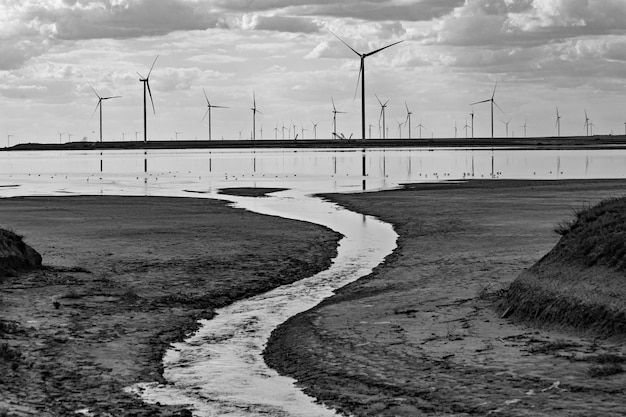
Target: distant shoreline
{"points": [[570, 142]]}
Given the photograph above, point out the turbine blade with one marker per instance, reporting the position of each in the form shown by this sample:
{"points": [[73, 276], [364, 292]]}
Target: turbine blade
{"points": [[496, 104], [205, 96], [140, 76], [344, 42], [150, 72], [381, 103], [94, 91], [479, 102], [380, 49], [207, 112], [96, 109], [150, 93], [220, 107], [494, 90], [381, 116], [334, 108], [108, 98], [407, 108], [356, 90]]}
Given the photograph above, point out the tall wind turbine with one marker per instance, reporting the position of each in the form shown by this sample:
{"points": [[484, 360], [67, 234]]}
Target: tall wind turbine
{"points": [[586, 125], [466, 127], [314, 129], [558, 123], [408, 118], [254, 112], [493, 102], [146, 86], [472, 114], [382, 113], [335, 113], [100, 100], [208, 110], [362, 75]]}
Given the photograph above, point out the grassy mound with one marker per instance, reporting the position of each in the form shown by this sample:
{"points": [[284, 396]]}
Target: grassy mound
{"points": [[581, 282], [15, 255]]}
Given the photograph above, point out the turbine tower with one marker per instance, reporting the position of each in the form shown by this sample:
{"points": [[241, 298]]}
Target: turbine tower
{"points": [[421, 126], [335, 113], [362, 75], [382, 113], [472, 114], [408, 118], [100, 99], [146, 86], [493, 102], [558, 123], [208, 111], [254, 112]]}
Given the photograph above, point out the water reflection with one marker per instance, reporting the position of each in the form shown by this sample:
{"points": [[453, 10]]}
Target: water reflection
{"points": [[308, 169]]}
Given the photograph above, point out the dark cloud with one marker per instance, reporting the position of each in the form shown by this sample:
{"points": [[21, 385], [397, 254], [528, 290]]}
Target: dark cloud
{"points": [[84, 19]]}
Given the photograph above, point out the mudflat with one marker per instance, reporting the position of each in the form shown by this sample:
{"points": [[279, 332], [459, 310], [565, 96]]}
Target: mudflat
{"points": [[421, 334], [124, 277]]}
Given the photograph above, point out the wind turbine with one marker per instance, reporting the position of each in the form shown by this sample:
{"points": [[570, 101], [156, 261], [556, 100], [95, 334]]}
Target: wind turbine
{"points": [[408, 118], [472, 114], [421, 126], [146, 87], [493, 102], [62, 133], [524, 126], [314, 129], [399, 128], [254, 112], [455, 130], [335, 113], [362, 75], [558, 123], [176, 133], [382, 113], [208, 110], [276, 132], [100, 99], [507, 126], [370, 126], [283, 130], [466, 127], [123, 135], [586, 125], [303, 130]]}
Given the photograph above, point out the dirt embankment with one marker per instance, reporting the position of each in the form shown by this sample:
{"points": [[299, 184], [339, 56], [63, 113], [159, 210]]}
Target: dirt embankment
{"points": [[123, 278], [581, 282], [421, 335], [15, 255]]}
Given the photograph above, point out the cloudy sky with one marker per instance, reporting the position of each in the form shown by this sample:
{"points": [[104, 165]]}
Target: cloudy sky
{"points": [[542, 53]]}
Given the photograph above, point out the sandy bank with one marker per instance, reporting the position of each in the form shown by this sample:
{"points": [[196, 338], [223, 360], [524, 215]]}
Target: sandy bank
{"points": [[124, 277], [420, 335]]}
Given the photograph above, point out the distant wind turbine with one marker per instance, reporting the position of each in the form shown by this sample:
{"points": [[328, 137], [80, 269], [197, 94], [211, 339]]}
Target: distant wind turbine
{"points": [[100, 100], [466, 127], [123, 135], [62, 133], [176, 133], [362, 75], [507, 126], [408, 118], [254, 112], [421, 126], [146, 87], [382, 113], [586, 125], [493, 102], [399, 128], [208, 111], [314, 129], [472, 114], [524, 126], [276, 132], [558, 123], [303, 130], [455, 130], [335, 113]]}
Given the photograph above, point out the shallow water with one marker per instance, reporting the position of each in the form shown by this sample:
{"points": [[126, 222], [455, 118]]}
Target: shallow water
{"points": [[220, 370]]}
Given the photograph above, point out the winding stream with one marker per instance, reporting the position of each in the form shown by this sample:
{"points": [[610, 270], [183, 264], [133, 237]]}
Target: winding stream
{"points": [[219, 371]]}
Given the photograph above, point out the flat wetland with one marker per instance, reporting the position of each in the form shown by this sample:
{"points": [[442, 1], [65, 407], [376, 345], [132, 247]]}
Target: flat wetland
{"points": [[421, 335]]}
